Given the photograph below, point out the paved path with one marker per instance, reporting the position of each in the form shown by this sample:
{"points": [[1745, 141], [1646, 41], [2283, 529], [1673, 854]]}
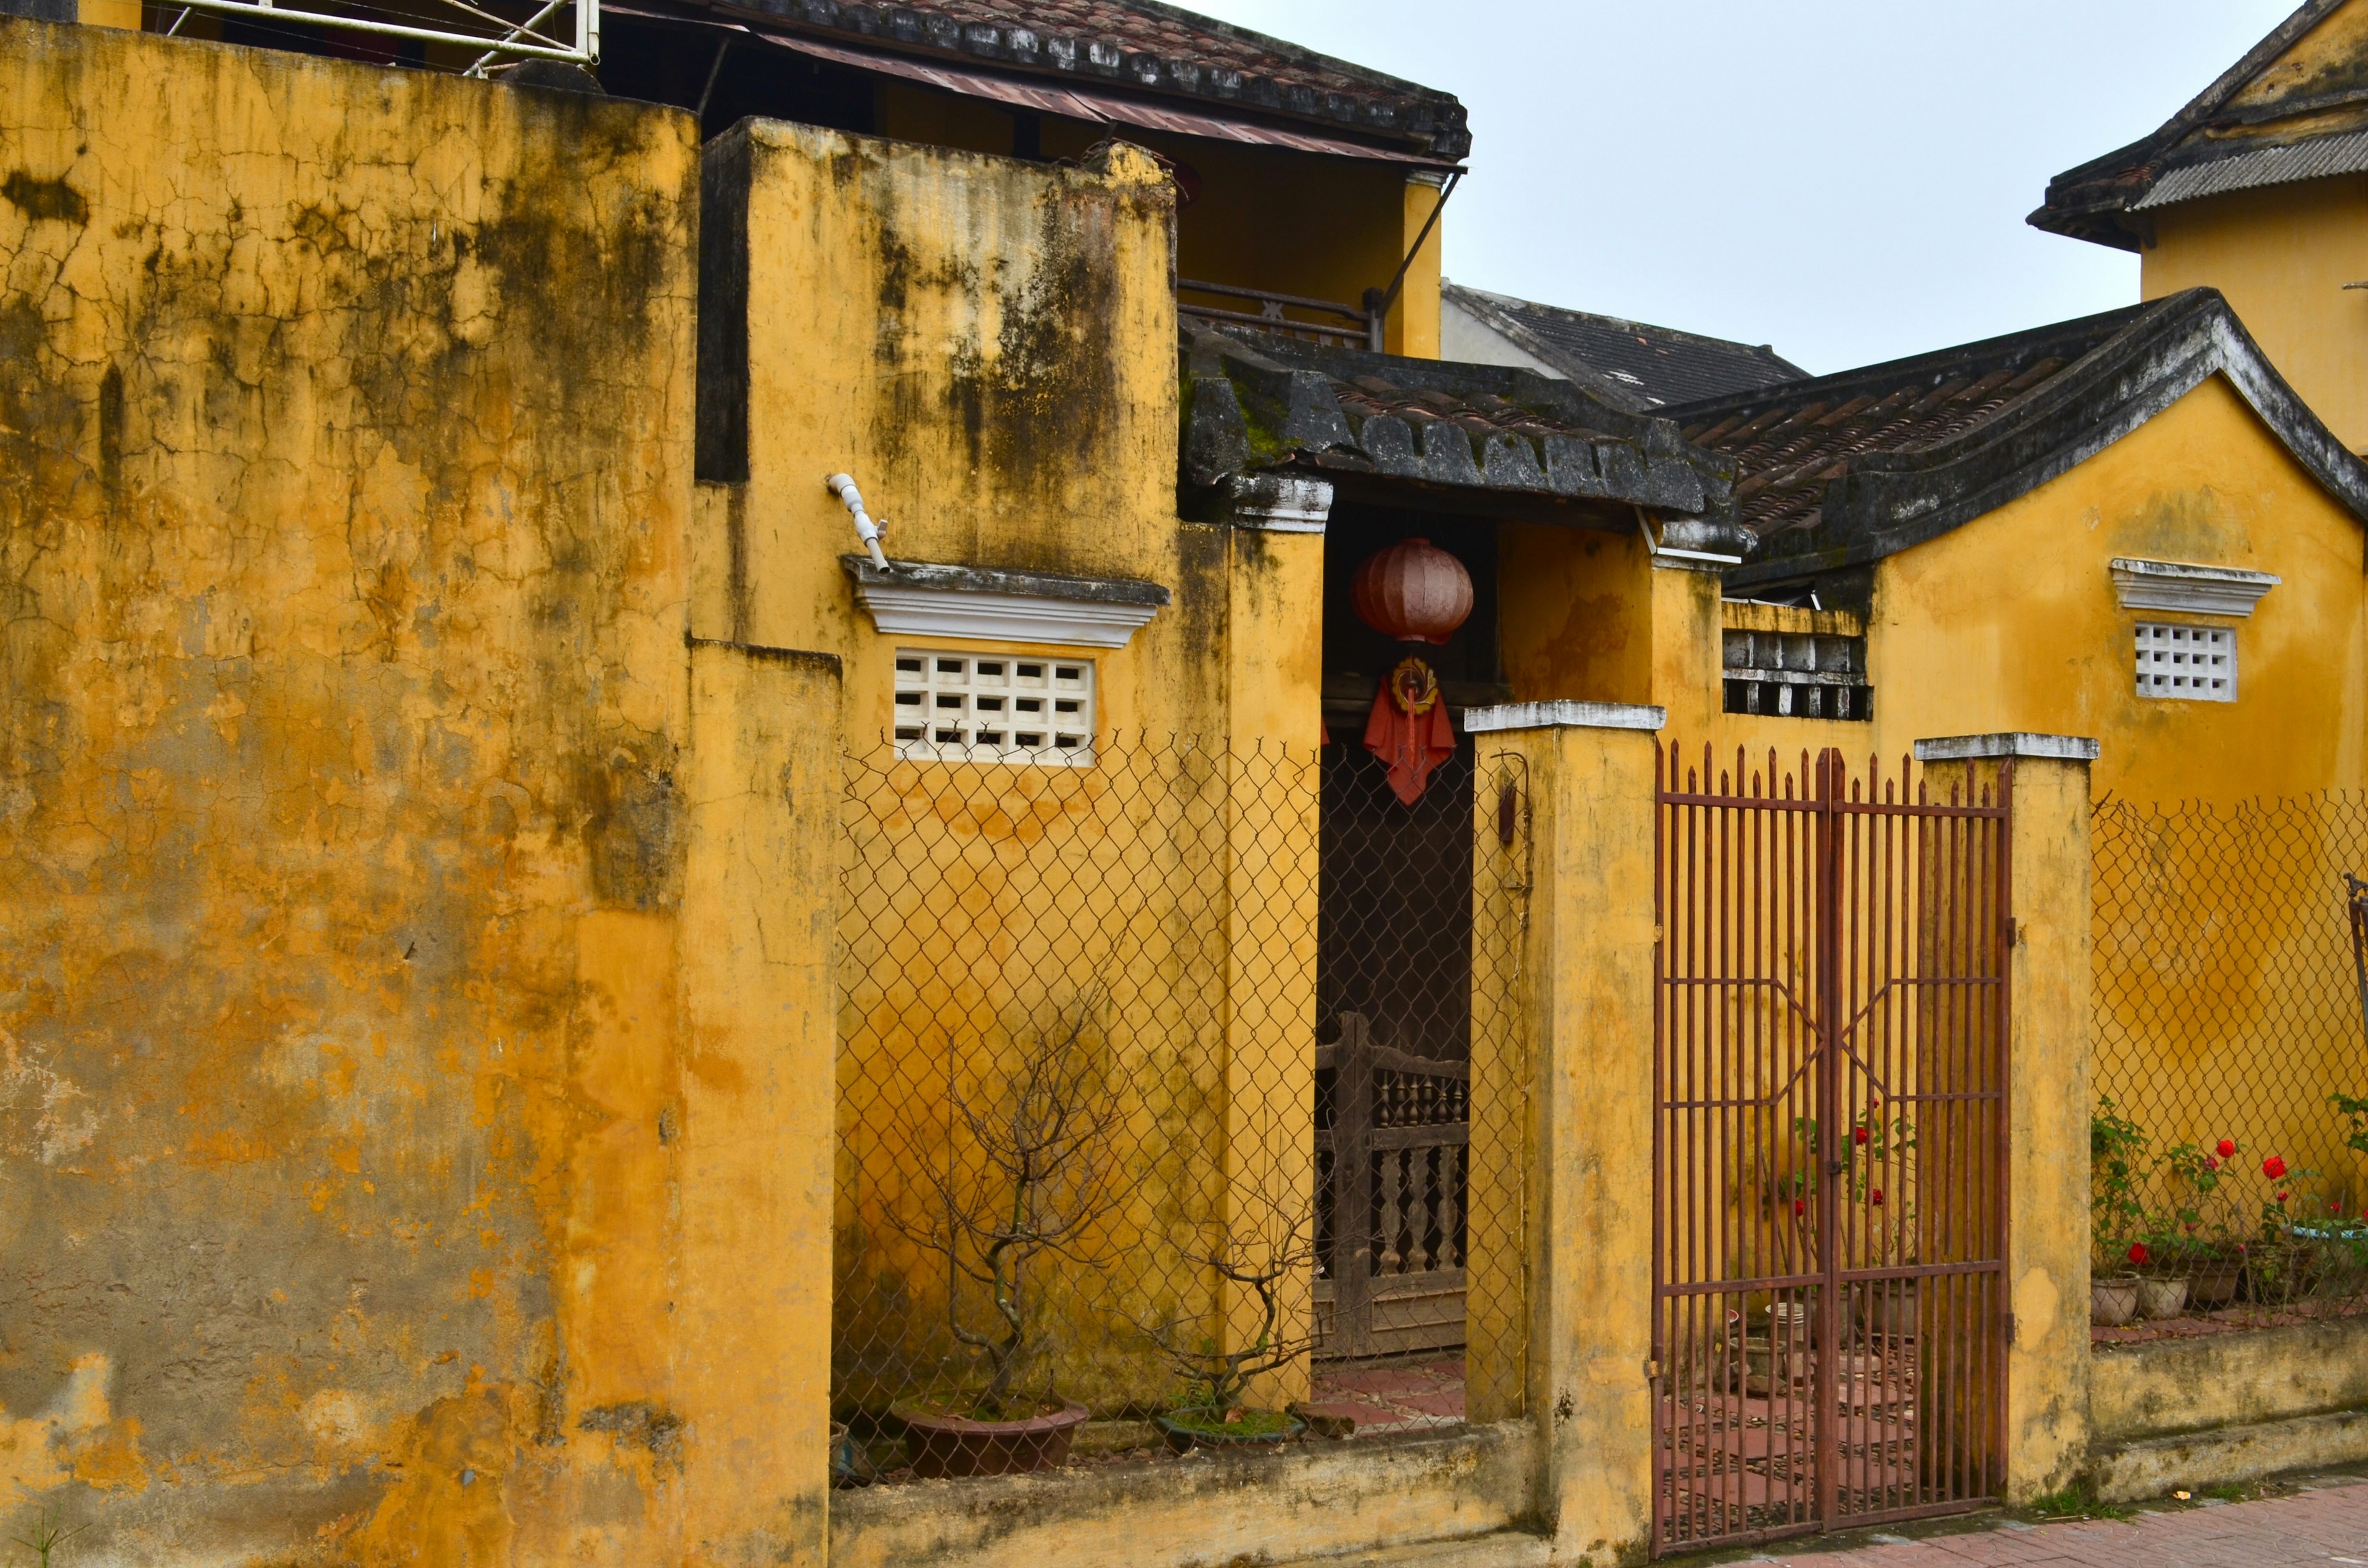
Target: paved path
{"points": [[2325, 1523]]}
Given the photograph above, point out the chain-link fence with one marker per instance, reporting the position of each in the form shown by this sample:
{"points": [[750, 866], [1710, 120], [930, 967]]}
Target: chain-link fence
{"points": [[1093, 1025], [2228, 1146]]}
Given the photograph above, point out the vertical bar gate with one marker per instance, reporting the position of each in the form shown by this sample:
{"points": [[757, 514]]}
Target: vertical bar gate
{"points": [[1830, 1149]]}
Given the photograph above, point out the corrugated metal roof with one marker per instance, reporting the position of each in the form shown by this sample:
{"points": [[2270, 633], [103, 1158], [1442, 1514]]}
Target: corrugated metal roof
{"points": [[2315, 159]]}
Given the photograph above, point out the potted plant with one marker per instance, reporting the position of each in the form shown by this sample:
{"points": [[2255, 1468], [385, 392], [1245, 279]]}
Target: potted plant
{"points": [[1881, 1181], [2194, 1238], [2116, 1151], [1040, 1177], [1214, 1409]]}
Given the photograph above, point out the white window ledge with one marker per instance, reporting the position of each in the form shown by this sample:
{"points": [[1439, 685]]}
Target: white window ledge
{"points": [[982, 604], [2197, 590]]}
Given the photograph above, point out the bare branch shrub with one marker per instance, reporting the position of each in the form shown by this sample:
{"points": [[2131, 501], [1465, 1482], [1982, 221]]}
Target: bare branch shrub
{"points": [[1040, 1178]]}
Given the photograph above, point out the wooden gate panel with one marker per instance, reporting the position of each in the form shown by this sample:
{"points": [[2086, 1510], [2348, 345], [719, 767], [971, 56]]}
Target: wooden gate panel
{"points": [[1390, 1220], [1829, 1151]]}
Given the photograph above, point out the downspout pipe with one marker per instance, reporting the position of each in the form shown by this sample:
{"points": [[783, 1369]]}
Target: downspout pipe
{"points": [[843, 486]]}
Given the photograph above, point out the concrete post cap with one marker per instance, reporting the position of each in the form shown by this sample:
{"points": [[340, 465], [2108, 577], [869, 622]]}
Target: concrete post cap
{"points": [[1564, 715], [2009, 742]]}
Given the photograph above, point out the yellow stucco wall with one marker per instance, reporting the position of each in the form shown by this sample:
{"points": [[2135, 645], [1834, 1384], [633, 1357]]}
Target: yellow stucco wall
{"points": [[1321, 227], [2282, 256], [987, 345], [383, 1189]]}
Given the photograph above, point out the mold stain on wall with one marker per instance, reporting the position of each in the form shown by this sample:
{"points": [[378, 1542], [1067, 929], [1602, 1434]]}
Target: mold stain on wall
{"points": [[344, 470]]}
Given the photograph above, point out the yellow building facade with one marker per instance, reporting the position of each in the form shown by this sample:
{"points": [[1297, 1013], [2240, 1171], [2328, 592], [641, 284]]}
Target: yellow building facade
{"points": [[527, 923]]}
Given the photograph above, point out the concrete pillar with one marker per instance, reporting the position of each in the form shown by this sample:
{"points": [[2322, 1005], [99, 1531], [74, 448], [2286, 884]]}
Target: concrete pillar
{"points": [[1589, 982], [124, 14], [750, 1308], [1274, 658], [2048, 1092]]}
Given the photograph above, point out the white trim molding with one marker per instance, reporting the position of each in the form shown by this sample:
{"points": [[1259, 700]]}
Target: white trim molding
{"points": [[2012, 743], [2197, 590], [1564, 715], [981, 604]]}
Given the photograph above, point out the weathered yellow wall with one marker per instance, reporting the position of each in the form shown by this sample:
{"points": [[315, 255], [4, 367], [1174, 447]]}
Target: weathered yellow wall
{"points": [[2282, 256], [1324, 228], [381, 1184], [988, 345], [2010, 623]]}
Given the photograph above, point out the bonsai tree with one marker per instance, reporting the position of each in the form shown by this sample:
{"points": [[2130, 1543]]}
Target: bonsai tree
{"points": [[1040, 1181], [1257, 1270]]}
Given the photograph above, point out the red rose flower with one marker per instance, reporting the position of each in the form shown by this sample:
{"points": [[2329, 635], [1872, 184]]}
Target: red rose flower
{"points": [[1800, 1206], [1857, 1134], [2210, 1164], [2138, 1254], [2228, 1150], [2273, 1167], [2281, 1195], [1878, 1197]]}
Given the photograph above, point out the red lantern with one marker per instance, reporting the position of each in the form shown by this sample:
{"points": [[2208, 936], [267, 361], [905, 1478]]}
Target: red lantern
{"points": [[1413, 591]]}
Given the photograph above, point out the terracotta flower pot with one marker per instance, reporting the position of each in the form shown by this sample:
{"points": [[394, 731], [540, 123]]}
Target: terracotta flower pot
{"points": [[939, 1444], [2161, 1298], [1182, 1438], [2113, 1302]]}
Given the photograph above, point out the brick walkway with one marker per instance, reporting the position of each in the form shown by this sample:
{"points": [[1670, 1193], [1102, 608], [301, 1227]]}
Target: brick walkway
{"points": [[2325, 1522], [1403, 1397]]}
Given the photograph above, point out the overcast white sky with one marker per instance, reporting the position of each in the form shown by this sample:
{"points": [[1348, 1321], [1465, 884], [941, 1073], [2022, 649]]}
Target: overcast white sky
{"points": [[1846, 179]]}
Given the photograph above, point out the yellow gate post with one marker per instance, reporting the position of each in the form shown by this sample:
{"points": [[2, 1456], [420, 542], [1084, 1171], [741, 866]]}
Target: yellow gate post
{"points": [[1588, 982], [2046, 1437]]}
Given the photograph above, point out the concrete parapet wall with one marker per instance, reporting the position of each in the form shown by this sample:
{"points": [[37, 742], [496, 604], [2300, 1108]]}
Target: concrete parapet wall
{"points": [[2227, 1407], [1317, 1501], [2228, 1380]]}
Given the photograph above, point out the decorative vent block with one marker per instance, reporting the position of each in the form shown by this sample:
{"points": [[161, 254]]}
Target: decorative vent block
{"points": [[1798, 675], [993, 708], [2197, 663]]}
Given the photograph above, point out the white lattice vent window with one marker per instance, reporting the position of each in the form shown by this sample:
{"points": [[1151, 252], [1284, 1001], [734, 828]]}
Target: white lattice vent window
{"points": [[993, 708], [2197, 663]]}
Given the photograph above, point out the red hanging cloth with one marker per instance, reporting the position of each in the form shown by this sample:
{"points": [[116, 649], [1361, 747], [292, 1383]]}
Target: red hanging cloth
{"points": [[1409, 729]]}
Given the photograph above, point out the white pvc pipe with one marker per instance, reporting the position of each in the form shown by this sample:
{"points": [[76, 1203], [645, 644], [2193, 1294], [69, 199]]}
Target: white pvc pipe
{"points": [[843, 486]]}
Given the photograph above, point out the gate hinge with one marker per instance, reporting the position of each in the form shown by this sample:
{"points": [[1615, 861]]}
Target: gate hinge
{"points": [[1652, 1371], [2013, 932], [2009, 1327]]}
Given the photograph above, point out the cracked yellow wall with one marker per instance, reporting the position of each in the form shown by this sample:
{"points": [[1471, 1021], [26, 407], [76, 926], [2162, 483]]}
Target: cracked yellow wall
{"points": [[362, 1127]]}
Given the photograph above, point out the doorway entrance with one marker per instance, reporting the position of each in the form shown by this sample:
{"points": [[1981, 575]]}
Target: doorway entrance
{"points": [[1830, 1155]]}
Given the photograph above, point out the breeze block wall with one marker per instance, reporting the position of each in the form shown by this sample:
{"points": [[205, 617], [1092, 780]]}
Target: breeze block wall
{"points": [[345, 475]]}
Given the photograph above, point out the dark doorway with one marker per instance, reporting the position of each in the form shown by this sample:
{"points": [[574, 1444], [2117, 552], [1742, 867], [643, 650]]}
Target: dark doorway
{"points": [[1393, 969]]}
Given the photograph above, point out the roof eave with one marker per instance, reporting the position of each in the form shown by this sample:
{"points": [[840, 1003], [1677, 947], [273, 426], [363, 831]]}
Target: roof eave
{"points": [[1887, 502], [1435, 120], [1246, 412]]}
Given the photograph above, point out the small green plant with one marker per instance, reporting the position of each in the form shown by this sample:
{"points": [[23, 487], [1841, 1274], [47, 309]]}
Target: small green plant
{"points": [[2355, 1115], [2078, 1501], [48, 1534], [2117, 1166]]}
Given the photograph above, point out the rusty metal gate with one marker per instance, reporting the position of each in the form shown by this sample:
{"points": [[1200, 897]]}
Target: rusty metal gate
{"points": [[1829, 1149]]}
